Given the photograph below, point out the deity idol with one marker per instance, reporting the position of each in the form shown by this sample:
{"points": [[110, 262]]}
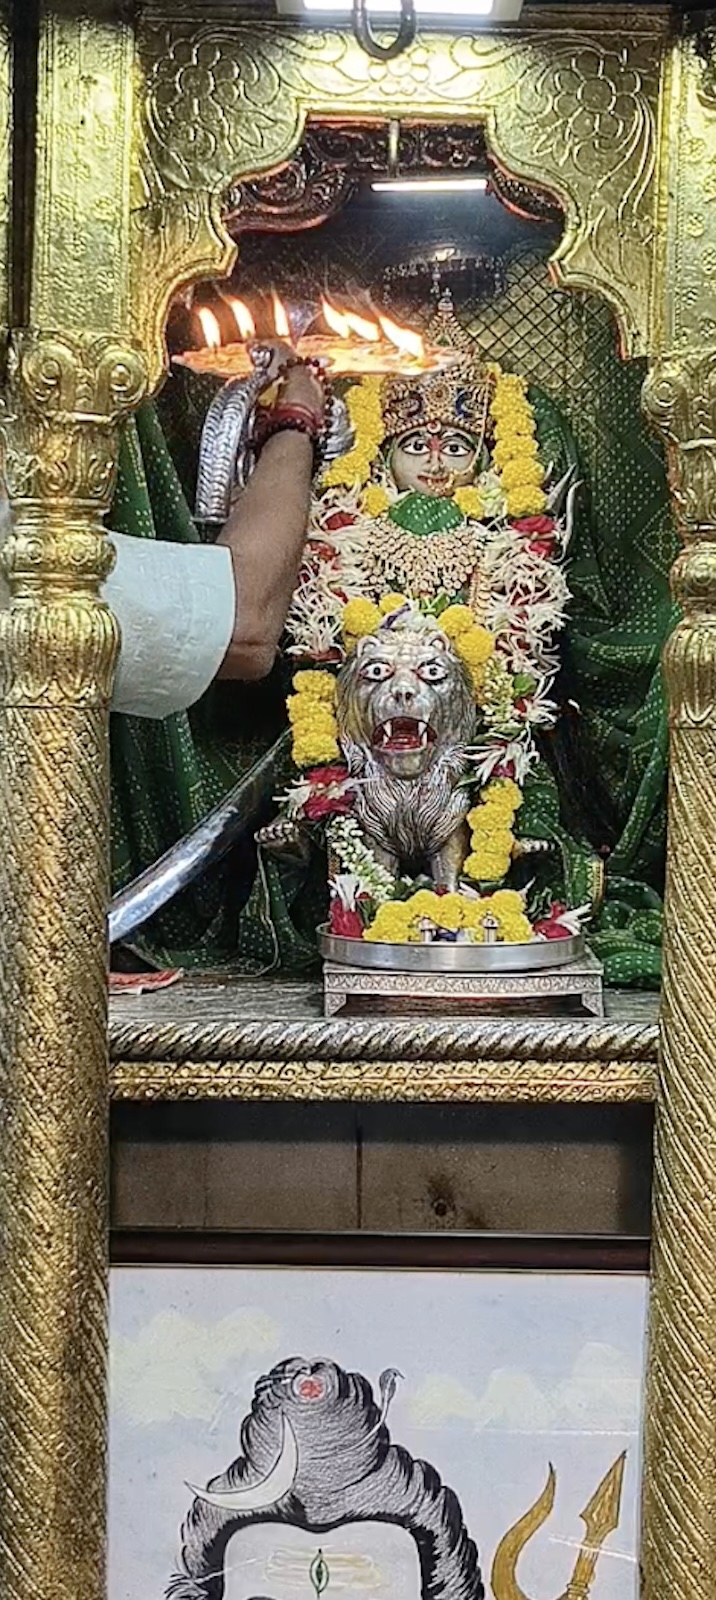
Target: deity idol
{"points": [[426, 621]]}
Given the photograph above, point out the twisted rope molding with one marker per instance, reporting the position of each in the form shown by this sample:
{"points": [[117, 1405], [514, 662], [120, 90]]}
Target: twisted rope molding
{"points": [[370, 1041]]}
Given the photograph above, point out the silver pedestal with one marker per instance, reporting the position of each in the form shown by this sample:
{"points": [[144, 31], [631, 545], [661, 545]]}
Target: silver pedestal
{"points": [[579, 979]]}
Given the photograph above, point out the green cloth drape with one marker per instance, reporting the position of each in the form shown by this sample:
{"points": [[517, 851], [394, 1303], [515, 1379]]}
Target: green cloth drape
{"points": [[256, 915]]}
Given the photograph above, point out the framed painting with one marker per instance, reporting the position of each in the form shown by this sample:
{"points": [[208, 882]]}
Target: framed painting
{"points": [[375, 1418]]}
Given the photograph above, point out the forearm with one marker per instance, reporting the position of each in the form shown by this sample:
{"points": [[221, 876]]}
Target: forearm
{"points": [[266, 534]]}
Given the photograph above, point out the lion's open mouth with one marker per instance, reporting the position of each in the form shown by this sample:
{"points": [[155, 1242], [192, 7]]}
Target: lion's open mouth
{"points": [[403, 733]]}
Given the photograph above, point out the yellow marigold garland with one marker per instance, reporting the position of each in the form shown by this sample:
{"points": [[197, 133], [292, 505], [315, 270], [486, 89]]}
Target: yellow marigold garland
{"points": [[318, 685], [364, 410], [313, 719], [491, 838], [474, 646], [515, 455], [398, 921]]}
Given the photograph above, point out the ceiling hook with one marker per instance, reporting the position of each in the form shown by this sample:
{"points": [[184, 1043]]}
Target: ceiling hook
{"points": [[403, 39]]}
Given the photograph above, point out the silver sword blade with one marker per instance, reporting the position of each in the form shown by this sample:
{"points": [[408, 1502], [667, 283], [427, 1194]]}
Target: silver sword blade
{"points": [[206, 844]]}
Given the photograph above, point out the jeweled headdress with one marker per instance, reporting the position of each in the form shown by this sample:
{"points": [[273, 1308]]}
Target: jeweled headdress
{"points": [[459, 397]]}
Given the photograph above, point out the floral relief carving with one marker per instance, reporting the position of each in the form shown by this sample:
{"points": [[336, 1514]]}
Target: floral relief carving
{"points": [[596, 104], [227, 102], [212, 109]]}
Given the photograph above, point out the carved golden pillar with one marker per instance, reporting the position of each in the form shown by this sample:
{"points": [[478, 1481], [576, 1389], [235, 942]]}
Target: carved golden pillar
{"points": [[57, 649], [679, 1542], [70, 381]]}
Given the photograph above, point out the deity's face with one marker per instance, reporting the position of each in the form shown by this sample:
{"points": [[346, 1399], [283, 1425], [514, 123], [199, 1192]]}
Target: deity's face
{"points": [[435, 459]]}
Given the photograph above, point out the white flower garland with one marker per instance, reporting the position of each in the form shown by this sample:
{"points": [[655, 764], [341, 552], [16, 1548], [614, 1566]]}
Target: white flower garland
{"points": [[346, 841]]}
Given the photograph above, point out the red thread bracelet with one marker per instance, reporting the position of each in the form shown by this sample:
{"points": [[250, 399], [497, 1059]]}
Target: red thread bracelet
{"points": [[290, 425], [289, 412]]}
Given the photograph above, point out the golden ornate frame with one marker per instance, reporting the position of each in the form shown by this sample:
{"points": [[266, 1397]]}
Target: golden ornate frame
{"points": [[139, 129]]}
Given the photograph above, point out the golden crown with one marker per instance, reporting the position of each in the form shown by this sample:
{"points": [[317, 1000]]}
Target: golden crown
{"points": [[458, 397]]}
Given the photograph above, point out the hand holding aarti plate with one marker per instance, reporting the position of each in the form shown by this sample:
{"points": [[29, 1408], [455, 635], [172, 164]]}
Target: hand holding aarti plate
{"points": [[353, 346]]}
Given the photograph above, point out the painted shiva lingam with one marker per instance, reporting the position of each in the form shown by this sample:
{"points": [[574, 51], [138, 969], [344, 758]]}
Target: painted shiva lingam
{"points": [[425, 629]]}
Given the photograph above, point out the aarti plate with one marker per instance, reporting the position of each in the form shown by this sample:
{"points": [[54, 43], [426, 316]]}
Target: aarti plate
{"points": [[344, 359], [533, 956]]}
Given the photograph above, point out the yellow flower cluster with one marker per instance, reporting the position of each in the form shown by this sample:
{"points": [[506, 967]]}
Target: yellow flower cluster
{"points": [[392, 602], [472, 643], [364, 410], [359, 618], [469, 500], [398, 921], [475, 646], [515, 455], [491, 824], [455, 620], [513, 926], [312, 718], [375, 500], [318, 685]]}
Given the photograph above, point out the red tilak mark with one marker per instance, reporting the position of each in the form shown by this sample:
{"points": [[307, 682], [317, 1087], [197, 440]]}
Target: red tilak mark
{"points": [[311, 1389]]}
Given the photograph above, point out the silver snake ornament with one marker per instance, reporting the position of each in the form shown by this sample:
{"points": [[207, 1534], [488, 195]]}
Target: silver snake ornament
{"points": [[226, 457]]}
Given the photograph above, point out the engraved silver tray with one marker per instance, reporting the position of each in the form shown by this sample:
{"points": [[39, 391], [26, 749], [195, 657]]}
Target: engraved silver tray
{"points": [[531, 957]]}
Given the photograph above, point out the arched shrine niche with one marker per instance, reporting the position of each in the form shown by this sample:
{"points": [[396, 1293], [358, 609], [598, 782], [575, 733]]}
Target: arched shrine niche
{"points": [[314, 231]]}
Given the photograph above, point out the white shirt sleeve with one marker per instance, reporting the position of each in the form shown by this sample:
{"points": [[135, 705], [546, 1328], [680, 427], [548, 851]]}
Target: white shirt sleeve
{"points": [[175, 604]]}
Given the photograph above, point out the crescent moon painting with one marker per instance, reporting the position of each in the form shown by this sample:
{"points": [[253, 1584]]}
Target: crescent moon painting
{"points": [[466, 1435]]}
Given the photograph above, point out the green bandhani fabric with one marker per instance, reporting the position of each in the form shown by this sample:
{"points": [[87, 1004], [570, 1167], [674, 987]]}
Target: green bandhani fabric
{"points": [[255, 913], [622, 614]]}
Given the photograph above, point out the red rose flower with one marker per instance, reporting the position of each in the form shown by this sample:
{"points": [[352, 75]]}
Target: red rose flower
{"points": [[537, 525], [322, 775], [338, 519], [346, 924], [321, 804], [550, 926], [326, 805], [542, 547]]}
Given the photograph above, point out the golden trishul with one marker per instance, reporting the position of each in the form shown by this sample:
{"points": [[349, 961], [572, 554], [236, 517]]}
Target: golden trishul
{"points": [[600, 1518]]}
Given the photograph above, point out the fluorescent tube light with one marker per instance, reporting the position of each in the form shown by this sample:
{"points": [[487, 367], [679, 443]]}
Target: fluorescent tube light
{"points": [[451, 8], [427, 185], [430, 10]]}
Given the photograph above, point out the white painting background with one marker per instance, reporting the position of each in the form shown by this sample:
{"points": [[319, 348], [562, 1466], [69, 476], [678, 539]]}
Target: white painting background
{"points": [[503, 1373]]}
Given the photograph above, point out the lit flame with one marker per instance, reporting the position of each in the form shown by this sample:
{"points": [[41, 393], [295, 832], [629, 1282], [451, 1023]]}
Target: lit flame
{"points": [[280, 318], [210, 327], [360, 325], [243, 318], [337, 322], [404, 339]]}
